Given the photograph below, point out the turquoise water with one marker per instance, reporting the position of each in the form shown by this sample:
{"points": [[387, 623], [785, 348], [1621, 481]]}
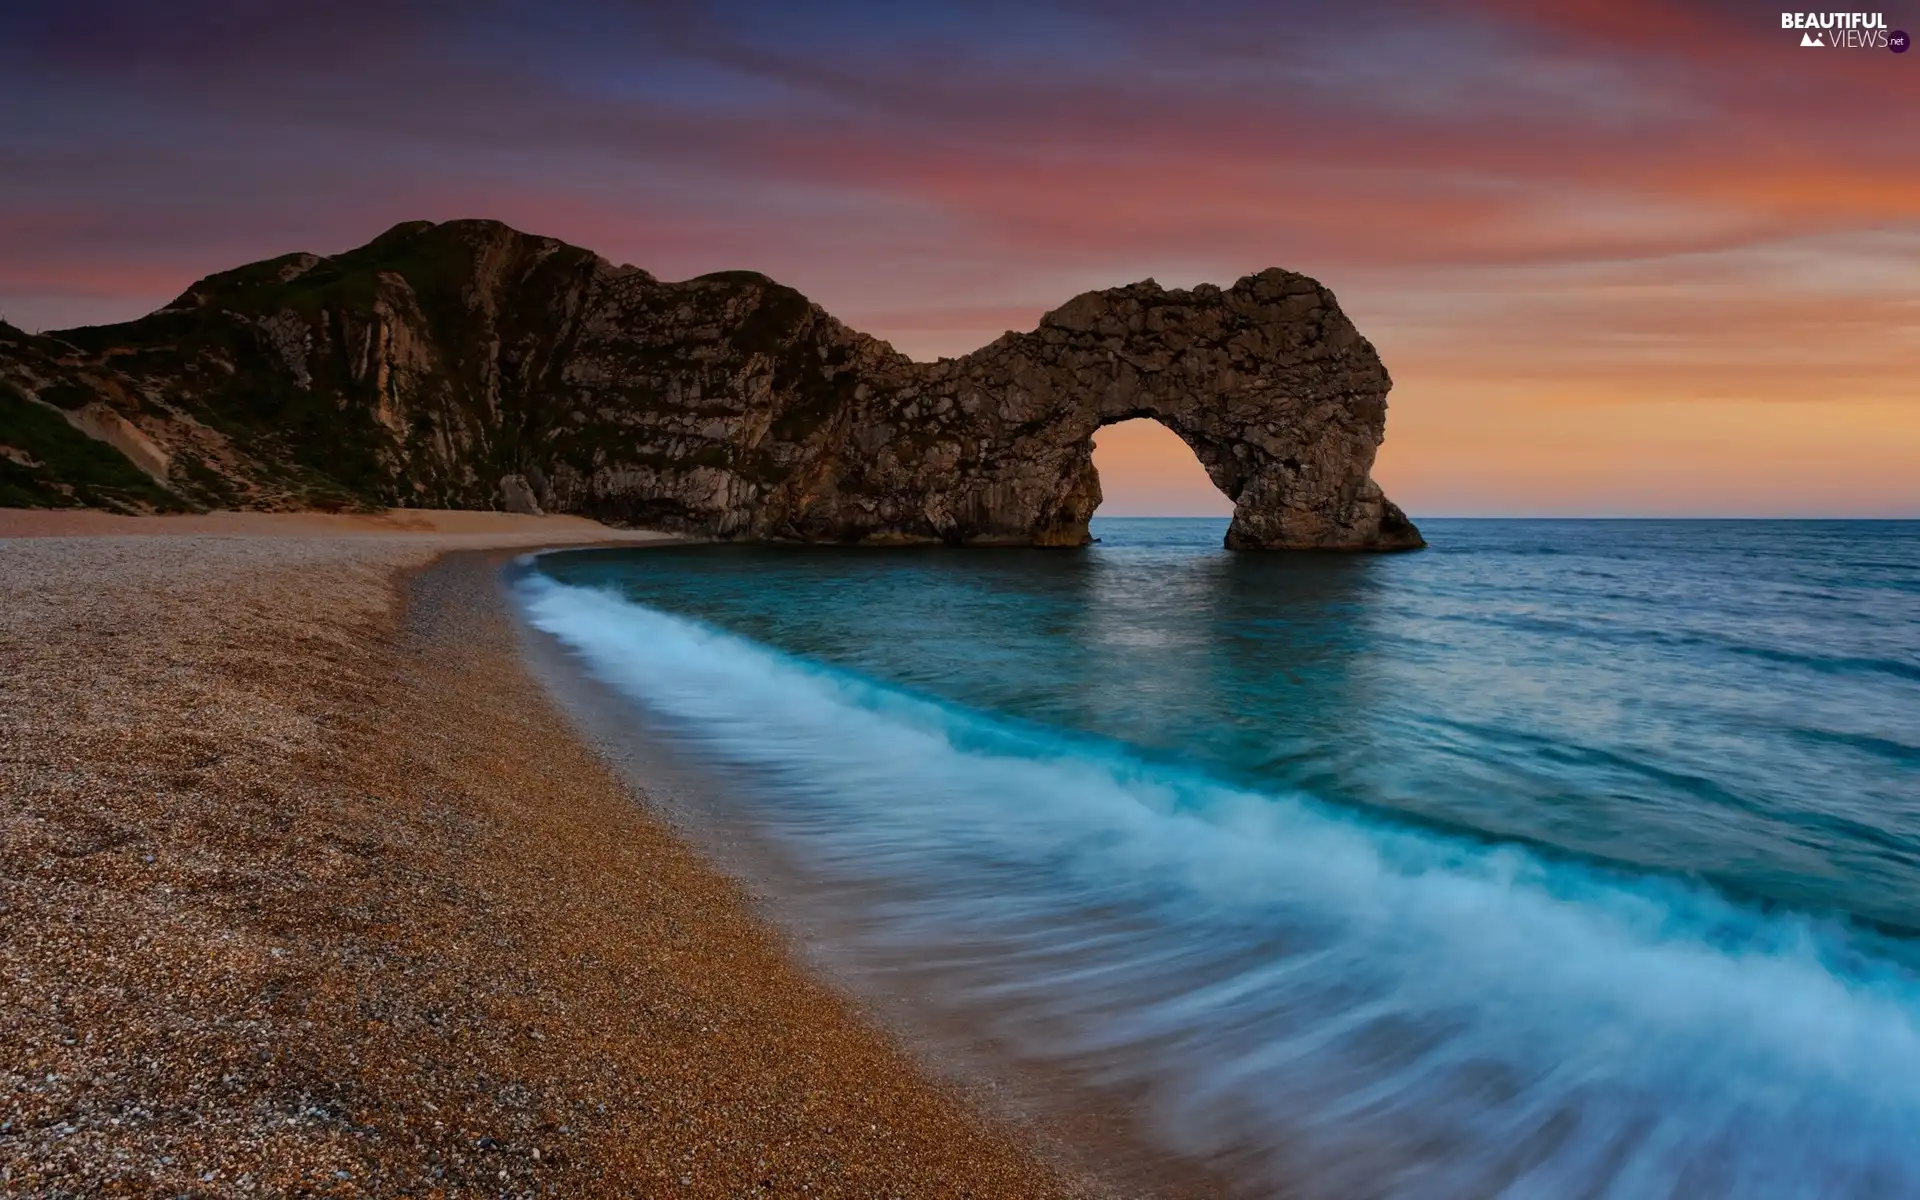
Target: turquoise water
{"points": [[1564, 858]]}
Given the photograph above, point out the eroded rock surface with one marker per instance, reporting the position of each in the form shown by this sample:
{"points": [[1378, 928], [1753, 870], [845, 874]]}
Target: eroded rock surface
{"points": [[431, 365]]}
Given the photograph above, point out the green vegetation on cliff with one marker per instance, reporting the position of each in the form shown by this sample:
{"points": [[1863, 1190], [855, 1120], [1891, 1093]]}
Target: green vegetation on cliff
{"points": [[47, 463]]}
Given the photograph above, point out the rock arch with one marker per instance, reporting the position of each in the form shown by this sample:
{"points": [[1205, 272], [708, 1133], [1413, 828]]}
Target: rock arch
{"points": [[469, 365], [1279, 397]]}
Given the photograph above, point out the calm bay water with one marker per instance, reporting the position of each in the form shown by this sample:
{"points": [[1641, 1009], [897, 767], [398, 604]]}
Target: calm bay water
{"points": [[1564, 858]]}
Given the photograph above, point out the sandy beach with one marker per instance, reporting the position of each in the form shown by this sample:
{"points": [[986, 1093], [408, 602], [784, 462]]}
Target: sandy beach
{"points": [[307, 889]]}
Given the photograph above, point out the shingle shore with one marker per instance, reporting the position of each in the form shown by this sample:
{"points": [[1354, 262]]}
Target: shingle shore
{"points": [[304, 891]]}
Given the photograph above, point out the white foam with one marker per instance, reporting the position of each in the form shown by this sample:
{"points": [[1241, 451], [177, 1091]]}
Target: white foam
{"points": [[1372, 1009]]}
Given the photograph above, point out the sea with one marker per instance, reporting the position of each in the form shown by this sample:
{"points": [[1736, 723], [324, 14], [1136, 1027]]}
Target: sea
{"points": [[1560, 859]]}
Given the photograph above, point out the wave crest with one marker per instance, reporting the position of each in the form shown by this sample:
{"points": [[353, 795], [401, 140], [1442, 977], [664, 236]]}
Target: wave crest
{"points": [[1322, 998]]}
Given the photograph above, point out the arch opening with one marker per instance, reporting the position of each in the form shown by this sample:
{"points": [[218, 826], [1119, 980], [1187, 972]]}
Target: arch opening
{"points": [[1147, 470]]}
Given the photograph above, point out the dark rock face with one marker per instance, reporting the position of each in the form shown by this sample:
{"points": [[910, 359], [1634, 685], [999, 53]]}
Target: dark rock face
{"points": [[516, 496], [468, 365]]}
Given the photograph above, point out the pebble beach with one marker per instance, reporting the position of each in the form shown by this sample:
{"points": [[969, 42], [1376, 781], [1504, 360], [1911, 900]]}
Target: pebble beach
{"points": [[306, 889]]}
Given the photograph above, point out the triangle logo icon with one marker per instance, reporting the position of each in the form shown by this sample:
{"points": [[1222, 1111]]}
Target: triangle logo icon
{"points": [[1812, 39]]}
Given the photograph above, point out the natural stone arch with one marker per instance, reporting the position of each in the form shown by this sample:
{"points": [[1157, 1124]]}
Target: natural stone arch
{"points": [[837, 437], [1279, 397], [467, 364]]}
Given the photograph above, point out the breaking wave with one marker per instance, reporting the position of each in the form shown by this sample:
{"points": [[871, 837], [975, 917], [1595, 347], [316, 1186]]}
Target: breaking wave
{"points": [[1320, 998]]}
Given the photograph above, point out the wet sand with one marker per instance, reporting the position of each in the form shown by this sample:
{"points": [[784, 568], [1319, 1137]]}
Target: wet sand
{"points": [[307, 889]]}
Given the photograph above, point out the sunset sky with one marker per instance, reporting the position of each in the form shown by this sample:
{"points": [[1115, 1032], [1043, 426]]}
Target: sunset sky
{"points": [[1620, 258]]}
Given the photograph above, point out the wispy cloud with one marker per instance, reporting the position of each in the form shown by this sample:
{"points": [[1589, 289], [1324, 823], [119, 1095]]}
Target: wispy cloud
{"points": [[1573, 206]]}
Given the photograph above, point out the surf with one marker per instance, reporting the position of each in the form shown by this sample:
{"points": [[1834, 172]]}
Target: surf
{"points": [[1327, 998]]}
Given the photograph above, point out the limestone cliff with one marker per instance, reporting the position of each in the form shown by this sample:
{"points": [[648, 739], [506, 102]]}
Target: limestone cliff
{"points": [[467, 365]]}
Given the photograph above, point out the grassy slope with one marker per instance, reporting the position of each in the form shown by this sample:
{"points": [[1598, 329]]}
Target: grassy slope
{"points": [[65, 467]]}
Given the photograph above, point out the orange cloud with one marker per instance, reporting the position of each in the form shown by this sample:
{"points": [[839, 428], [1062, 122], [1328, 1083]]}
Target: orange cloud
{"points": [[1616, 253]]}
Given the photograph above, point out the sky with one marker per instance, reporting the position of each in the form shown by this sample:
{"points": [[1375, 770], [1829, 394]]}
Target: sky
{"points": [[1620, 258]]}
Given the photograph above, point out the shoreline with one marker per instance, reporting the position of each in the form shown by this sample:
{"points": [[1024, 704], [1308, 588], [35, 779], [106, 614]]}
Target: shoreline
{"points": [[1101, 1134], [309, 887]]}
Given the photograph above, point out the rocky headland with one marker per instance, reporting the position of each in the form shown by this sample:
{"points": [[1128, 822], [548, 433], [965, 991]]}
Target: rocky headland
{"points": [[468, 365]]}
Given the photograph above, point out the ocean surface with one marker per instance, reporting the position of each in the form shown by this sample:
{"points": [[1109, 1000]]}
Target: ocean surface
{"points": [[1564, 858]]}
